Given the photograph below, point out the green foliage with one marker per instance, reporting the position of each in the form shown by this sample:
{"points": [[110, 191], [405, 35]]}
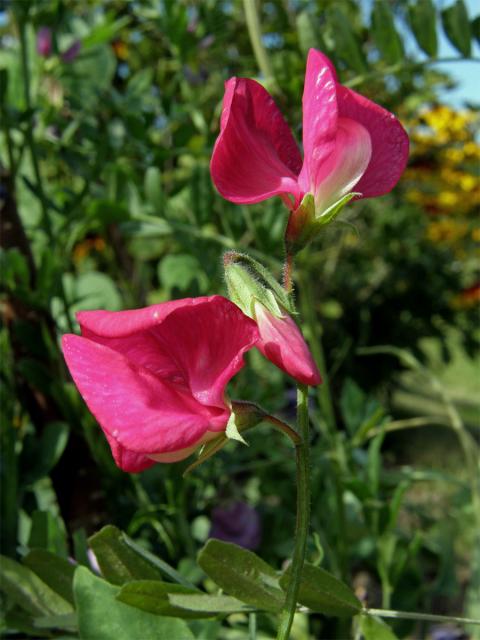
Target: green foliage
{"points": [[241, 574], [95, 597], [123, 214], [322, 592]]}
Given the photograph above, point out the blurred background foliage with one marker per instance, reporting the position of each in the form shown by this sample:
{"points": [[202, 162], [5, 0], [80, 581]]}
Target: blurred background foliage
{"points": [[109, 112]]}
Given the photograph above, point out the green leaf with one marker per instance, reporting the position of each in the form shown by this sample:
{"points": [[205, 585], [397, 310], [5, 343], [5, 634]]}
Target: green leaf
{"points": [[153, 188], [202, 603], [117, 561], [375, 629], [309, 35], [322, 592], [384, 33], [48, 532], [102, 617], [457, 27], [104, 32], [80, 547], [423, 18], [242, 574], [180, 270], [163, 598], [347, 45], [152, 596], [121, 560], [48, 451], [475, 26], [56, 572], [352, 404], [67, 622], [29, 592]]}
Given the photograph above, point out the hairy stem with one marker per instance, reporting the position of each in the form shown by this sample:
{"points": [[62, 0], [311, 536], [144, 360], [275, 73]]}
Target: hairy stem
{"points": [[303, 513]]}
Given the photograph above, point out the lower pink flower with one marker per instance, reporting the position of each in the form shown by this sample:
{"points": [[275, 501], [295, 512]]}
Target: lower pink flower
{"points": [[155, 377], [283, 344]]}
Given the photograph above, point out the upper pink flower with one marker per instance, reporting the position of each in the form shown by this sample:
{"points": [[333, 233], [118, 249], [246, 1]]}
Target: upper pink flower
{"points": [[155, 378], [350, 144]]}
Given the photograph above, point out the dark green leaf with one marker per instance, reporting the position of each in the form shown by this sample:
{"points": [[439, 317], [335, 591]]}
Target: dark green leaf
{"points": [[384, 33], [29, 592], [52, 444], [48, 532], [102, 617], [347, 45], [67, 622], [374, 629], [242, 574], [121, 560], [80, 547], [152, 596], [475, 26], [55, 571], [423, 18], [163, 598], [322, 592], [457, 27]]}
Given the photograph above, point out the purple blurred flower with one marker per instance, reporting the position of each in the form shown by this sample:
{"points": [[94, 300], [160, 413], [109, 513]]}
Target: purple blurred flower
{"points": [[446, 632], [44, 42], [206, 42], [238, 523], [72, 52]]}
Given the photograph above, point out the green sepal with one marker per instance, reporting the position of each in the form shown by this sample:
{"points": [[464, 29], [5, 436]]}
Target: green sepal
{"points": [[245, 415], [305, 223], [248, 280]]}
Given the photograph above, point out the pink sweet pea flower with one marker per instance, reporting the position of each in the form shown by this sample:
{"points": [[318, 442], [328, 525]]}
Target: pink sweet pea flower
{"points": [[351, 145], [282, 343], [155, 378]]}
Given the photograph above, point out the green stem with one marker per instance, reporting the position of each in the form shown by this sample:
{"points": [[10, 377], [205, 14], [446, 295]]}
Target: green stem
{"points": [[326, 406], [428, 617], [302, 451], [284, 428], [252, 626], [47, 226], [255, 33], [316, 347]]}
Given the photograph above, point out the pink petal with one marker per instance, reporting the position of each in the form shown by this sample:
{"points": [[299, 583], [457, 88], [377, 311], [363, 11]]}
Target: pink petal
{"points": [[207, 342], [117, 324], [128, 461], [339, 174], [282, 343], [255, 156], [389, 142], [319, 117], [141, 412]]}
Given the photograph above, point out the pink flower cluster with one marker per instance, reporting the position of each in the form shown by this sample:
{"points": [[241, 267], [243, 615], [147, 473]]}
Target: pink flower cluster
{"points": [[155, 378]]}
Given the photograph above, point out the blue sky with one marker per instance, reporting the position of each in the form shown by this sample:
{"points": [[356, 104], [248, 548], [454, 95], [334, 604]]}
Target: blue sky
{"points": [[466, 72]]}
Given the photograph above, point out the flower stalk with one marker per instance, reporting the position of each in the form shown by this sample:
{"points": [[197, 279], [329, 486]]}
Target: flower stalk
{"points": [[302, 452]]}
